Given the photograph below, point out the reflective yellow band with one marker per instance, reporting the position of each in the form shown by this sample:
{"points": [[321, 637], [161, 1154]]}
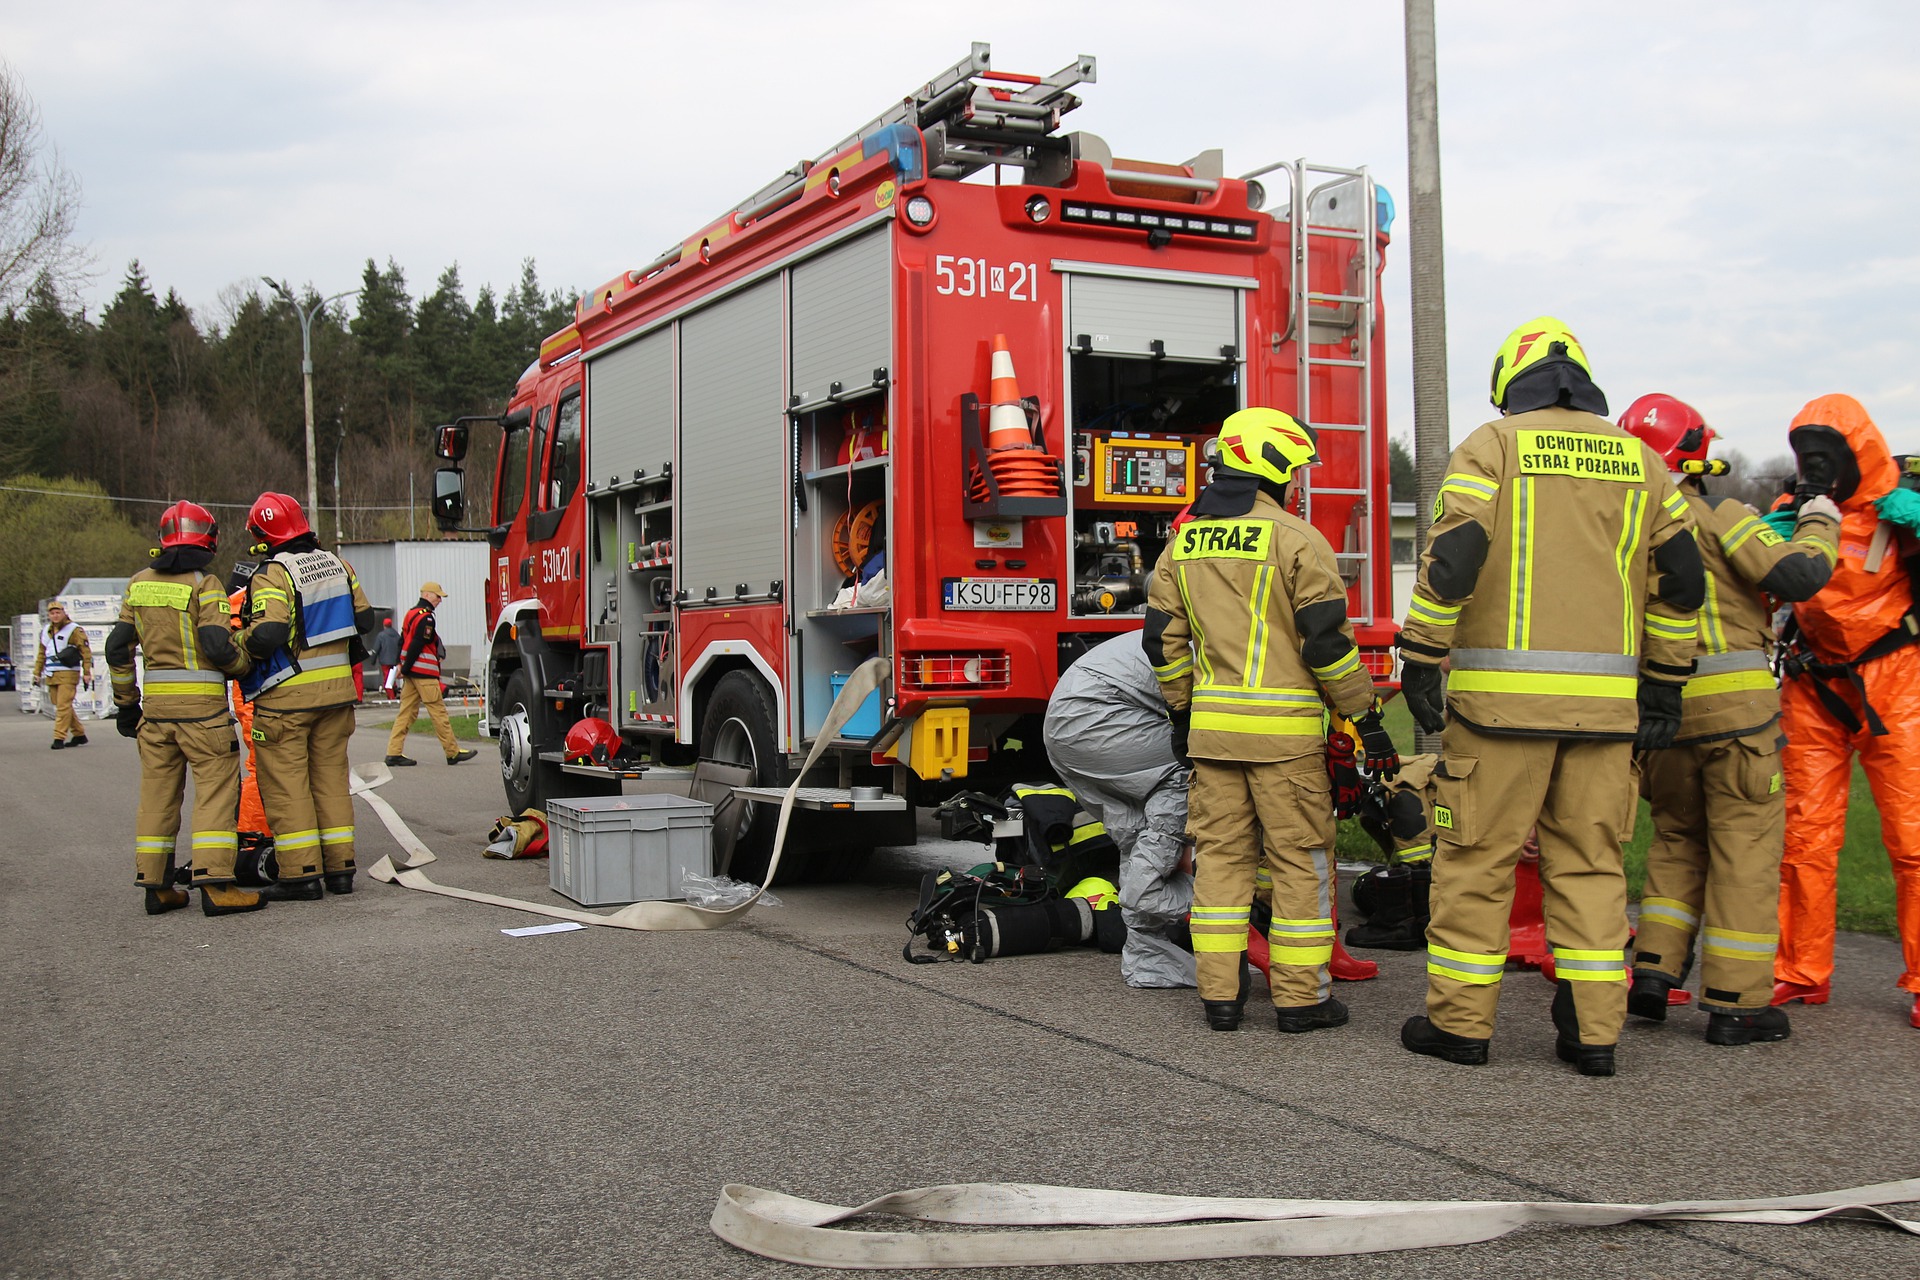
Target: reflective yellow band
{"points": [[1345, 665], [1226, 722], [1419, 610], [1577, 965], [1669, 911], [159, 844], [268, 593], [1675, 503], [297, 840], [1544, 684], [1175, 669], [1415, 853], [1472, 486], [1302, 928], [1220, 942], [1221, 915], [315, 677], [1263, 878], [1277, 698], [1731, 944], [336, 835], [1307, 956], [1735, 538], [1479, 968], [1673, 628], [214, 689], [1728, 682]]}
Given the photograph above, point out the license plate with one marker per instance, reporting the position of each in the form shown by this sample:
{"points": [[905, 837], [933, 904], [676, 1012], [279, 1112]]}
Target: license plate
{"points": [[1016, 595]]}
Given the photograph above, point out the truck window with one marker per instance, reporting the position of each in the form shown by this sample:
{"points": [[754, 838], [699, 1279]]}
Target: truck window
{"points": [[563, 472], [538, 455], [512, 486]]}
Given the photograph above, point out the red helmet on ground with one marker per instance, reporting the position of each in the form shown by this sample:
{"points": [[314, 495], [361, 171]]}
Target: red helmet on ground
{"points": [[276, 518], [188, 524], [592, 741], [1673, 428]]}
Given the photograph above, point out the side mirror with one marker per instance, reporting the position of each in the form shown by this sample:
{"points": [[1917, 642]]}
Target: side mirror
{"points": [[450, 442], [519, 420], [449, 497]]}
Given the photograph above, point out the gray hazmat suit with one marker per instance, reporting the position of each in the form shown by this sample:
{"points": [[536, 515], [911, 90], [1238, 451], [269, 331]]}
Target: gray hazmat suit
{"points": [[1107, 734]]}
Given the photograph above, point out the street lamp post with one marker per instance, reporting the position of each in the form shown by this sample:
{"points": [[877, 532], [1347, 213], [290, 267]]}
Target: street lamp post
{"points": [[306, 370]]}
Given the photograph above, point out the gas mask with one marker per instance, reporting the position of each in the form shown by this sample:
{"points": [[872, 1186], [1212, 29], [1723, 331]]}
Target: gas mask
{"points": [[1827, 466]]}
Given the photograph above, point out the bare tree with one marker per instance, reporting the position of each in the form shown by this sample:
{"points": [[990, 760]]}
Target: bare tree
{"points": [[39, 202]]}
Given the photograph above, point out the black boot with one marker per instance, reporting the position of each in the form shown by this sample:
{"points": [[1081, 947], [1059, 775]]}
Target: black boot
{"points": [[159, 900], [1747, 1028], [339, 882], [1392, 921], [1419, 1035], [1648, 996], [1591, 1059], [293, 891], [1331, 1012], [78, 740], [1225, 1015]]}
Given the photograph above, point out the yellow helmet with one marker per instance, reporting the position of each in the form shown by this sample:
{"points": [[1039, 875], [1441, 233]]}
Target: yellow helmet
{"points": [[1540, 339], [1265, 443]]}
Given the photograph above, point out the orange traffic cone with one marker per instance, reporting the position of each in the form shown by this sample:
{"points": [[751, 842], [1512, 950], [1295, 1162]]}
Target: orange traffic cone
{"points": [[1022, 469]]}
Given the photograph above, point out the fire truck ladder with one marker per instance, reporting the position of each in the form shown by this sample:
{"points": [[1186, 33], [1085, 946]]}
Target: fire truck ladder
{"points": [[969, 116], [1340, 207]]}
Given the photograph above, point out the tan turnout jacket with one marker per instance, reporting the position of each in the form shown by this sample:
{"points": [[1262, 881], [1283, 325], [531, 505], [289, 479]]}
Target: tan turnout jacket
{"points": [[1247, 625], [1559, 571]]}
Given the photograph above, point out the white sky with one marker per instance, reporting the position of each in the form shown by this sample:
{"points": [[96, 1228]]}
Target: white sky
{"points": [[1716, 196]]}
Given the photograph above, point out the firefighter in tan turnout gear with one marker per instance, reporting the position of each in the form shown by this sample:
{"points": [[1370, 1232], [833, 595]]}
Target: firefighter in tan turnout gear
{"points": [[305, 613], [1719, 811], [178, 616], [1561, 579], [61, 661], [1246, 627]]}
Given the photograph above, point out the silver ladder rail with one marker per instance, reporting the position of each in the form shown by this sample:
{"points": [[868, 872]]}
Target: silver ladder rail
{"points": [[1315, 212]]}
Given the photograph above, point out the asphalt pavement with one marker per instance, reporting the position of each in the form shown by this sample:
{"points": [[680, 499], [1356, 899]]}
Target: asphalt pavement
{"points": [[385, 1085]]}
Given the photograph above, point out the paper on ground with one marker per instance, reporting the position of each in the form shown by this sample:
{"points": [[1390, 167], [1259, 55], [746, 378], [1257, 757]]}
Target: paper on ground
{"points": [[565, 926]]}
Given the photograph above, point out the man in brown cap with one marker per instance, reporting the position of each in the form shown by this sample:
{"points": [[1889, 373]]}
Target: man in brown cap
{"points": [[419, 680], [63, 661]]}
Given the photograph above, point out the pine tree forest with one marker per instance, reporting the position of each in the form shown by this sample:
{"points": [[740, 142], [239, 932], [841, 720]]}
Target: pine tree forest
{"points": [[117, 415]]}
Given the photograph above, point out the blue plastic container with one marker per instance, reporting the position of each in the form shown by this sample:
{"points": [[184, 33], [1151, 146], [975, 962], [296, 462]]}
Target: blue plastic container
{"points": [[865, 722]]}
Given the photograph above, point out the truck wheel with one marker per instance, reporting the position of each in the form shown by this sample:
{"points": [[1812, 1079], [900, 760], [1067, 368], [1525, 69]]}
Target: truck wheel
{"points": [[530, 781], [739, 729]]}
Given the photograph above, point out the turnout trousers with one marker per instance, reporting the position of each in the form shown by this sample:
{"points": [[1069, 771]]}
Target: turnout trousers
{"points": [[1490, 788], [1281, 814], [1818, 762], [61, 686], [416, 693], [304, 786], [168, 749], [1713, 869]]}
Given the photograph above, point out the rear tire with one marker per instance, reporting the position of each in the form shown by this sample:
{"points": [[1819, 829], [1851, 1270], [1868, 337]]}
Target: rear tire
{"points": [[531, 782], [739, 728]]}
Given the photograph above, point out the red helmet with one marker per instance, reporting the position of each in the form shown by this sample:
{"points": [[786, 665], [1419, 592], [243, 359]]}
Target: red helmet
{"points": [[276, 518], [188, 524], [593, 741], [1673, 428]]}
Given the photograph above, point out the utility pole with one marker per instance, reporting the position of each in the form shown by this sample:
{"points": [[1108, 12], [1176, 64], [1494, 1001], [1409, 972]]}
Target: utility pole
{"points": [[1431, 444], [306, 315]]}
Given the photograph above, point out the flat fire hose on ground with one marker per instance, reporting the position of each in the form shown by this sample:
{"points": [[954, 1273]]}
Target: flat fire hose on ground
{"points": [[790, 1229], [649, 916]]}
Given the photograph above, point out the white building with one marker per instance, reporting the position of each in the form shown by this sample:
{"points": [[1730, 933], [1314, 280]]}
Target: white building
{"points": [[391, 573]]}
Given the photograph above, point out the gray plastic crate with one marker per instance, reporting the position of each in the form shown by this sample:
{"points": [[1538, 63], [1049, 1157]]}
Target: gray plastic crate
{"points": [[608, 849]]}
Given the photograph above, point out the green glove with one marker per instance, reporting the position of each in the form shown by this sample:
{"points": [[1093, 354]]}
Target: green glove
{"points": [[1901, 507]]}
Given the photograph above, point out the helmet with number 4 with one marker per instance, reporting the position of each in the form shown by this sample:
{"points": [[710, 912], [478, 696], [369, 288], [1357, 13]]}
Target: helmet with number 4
{"points": [[1671, 427], [593, 741]]}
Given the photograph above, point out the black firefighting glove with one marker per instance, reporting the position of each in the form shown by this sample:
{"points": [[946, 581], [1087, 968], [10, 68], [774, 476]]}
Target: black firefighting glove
{"points": [[1383, 758], [1426, 698], [127, 720], [1182, 721], [1659, 715]]}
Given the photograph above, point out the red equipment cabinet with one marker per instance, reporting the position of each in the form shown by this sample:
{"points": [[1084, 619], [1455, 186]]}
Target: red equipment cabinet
{"points": [[802, 393]]}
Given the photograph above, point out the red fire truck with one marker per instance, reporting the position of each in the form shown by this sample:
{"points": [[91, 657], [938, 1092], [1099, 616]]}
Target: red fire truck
{"points": [[779, 449]]}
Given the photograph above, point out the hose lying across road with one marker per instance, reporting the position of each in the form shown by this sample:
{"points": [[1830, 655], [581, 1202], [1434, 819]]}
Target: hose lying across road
{"points": [[647, 916], [794, 1230], [1115, 1226]]}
